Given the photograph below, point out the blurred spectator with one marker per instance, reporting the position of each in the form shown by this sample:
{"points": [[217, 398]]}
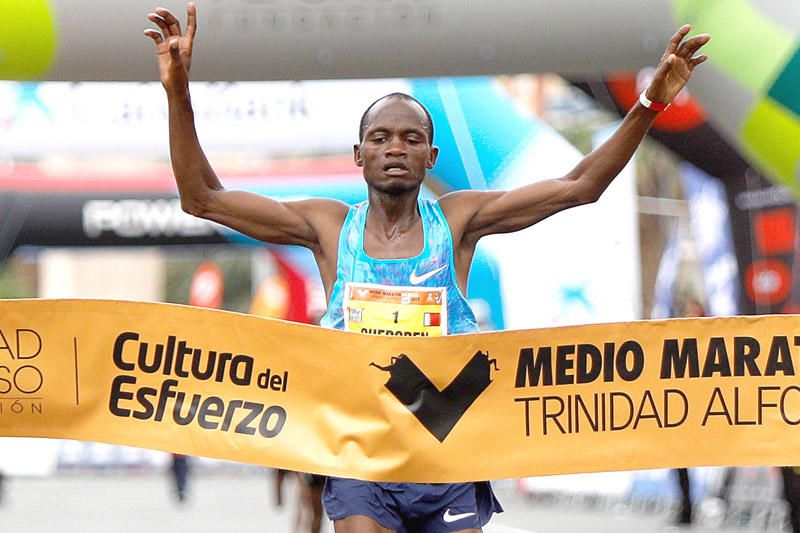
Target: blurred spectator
{"points": [[180, 475], [279, 478], [310, 511], [791, 492], [689, 308], [685, 512]]}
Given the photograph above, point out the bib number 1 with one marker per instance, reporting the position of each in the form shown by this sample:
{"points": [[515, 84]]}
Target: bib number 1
{"points": [[389, 310]]}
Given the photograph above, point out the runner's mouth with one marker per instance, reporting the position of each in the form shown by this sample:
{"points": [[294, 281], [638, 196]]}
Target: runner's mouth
{"points": [[395, 169]]}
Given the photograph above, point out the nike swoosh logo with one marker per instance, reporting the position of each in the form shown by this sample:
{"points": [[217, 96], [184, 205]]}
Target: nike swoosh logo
{"points": [[449, 517], [416, 280]]}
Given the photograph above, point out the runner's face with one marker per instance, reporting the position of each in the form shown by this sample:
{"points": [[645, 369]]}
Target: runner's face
{"points": [[396, 150]]}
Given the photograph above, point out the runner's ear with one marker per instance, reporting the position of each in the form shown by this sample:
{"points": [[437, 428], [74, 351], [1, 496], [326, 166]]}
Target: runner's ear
{"points": [[433, 156], [357, 155]]}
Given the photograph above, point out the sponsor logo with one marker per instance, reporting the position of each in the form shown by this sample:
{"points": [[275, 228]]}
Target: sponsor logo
{"points": [[421, 278], [356, 314], [21, 378], [179, 366], [438, 410], [135, 218], [450, 517]]}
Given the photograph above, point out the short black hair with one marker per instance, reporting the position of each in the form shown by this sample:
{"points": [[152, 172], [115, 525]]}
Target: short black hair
{"points": [[403, 96]]}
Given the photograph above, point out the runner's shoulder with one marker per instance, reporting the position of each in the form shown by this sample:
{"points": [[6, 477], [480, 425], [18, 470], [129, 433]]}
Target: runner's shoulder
{"points": [[461, 206], [324, 210]]}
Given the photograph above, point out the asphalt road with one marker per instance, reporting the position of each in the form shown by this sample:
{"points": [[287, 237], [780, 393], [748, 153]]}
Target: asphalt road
{"points": [[242, 502]]}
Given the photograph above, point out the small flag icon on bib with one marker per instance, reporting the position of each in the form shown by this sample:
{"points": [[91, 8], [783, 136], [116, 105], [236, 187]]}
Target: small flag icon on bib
{"points": [[432, 319]]}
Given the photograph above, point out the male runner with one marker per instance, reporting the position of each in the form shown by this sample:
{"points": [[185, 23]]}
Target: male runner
{"points": [[395, 238]]}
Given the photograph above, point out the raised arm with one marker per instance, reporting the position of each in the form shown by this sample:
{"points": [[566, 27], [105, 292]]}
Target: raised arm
{"points": [[309, 223], [473, 214]]}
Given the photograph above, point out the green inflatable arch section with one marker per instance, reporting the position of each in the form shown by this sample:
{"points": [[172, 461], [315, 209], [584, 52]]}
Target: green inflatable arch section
{"points": [[762, 56], [27, 38]]}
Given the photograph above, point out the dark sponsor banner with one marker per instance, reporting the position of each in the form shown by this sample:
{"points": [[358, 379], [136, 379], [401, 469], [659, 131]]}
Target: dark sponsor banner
{"points": [[86, 219], [602, 397]]}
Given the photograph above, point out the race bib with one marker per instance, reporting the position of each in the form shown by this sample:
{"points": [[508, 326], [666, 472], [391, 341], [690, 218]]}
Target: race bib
{"points": [[390, 310]]}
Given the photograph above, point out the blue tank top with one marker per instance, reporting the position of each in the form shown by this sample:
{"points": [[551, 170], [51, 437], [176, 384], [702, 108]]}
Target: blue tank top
{"points": [[433, 268]]}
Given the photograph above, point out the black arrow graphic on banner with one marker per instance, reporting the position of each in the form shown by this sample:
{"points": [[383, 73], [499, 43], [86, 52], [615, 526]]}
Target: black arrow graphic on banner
{"points": [[438, 410]]}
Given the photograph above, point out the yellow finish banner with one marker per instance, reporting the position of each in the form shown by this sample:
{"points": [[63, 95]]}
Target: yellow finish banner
{"points": [[651, 394]]}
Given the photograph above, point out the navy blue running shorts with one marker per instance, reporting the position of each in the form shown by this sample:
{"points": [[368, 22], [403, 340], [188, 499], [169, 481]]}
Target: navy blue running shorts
{"points": [[413, 507]]}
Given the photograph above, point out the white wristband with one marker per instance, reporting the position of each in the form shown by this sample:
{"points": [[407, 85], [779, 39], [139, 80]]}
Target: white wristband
{"points": [[649, 104]]}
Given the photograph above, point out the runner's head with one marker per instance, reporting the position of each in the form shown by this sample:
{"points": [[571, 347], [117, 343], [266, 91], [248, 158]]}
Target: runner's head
{"points": [[395, 144], [365, 118]]}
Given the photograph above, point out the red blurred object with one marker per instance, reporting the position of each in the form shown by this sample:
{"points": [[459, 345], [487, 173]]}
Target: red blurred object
{"points": [[775, 231], [207, 287], [768, 281], [282, 295]]}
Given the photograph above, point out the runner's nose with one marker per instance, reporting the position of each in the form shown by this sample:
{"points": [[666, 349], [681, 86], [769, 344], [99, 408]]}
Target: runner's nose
{"points": [[395, 147]]}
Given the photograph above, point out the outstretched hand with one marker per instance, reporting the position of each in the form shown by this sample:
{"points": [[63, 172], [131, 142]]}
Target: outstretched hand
{"points": [[173, 47], [676, 65]]}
